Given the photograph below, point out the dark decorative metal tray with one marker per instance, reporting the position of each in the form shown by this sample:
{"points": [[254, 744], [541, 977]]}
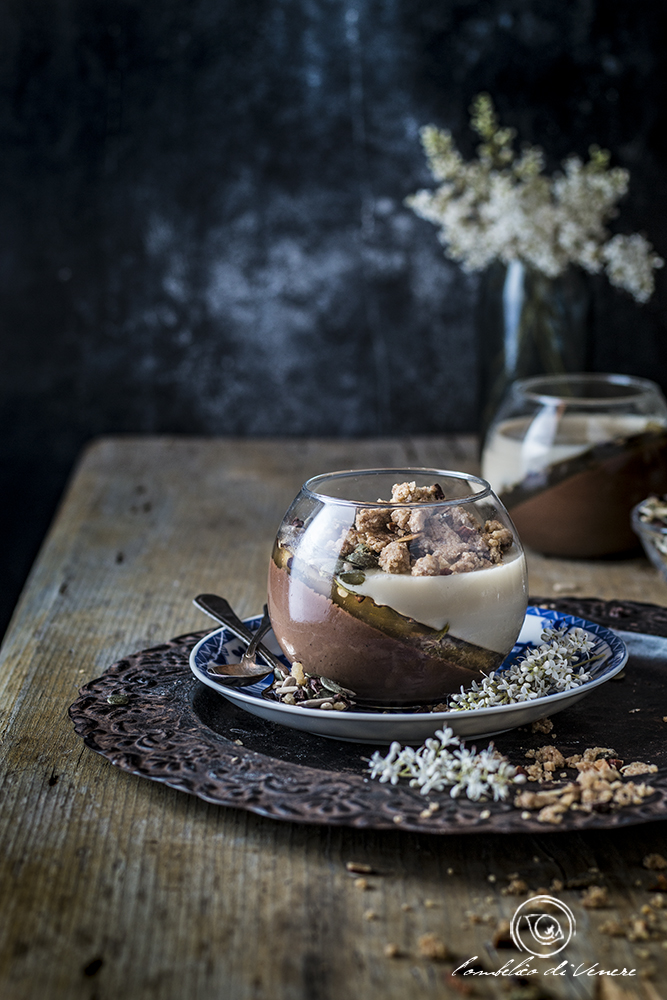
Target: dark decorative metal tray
{"points": [[149, 716]]}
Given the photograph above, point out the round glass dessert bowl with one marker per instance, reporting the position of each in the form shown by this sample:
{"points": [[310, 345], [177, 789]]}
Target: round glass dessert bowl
{"points": [[571, 455], [400, 585]]}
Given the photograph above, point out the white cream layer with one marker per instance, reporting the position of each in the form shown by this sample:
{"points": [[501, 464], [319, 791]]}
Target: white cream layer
{"points": [[517, 448], [485, 607]]}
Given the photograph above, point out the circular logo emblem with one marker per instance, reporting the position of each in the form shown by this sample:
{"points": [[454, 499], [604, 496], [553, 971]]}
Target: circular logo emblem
{"points": [[542, 926]]}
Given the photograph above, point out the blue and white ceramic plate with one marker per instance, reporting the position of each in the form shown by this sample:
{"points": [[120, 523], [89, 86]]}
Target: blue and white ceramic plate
{"points": [[410, 727]]}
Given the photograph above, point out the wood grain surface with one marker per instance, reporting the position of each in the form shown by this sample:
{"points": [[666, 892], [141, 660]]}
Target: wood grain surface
{"points": [[117, 887]]}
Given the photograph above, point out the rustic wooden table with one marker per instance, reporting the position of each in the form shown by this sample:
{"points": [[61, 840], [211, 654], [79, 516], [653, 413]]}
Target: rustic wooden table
{"points": [[116, 886]]}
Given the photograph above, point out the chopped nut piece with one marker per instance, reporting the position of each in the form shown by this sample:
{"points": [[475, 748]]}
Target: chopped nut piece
{"points": [[433, 947], [613, 928], [516, 887], [373, 519], [595, 897], [637, 767], [299, 674], [548, 756], [426, 565], [411, 493], [362, 884], [551, 814], [395, 558], [638, 931], [655, 862], [359, 866], [391, 950], [542, 726], [370, 915], [498, 538]]}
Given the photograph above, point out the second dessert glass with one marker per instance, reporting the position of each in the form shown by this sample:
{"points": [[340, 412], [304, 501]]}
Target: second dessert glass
{"points": [[570, 455], [401, 585]]}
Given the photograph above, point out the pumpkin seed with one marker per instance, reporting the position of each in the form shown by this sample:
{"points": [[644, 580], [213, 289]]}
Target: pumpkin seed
{"points": [[330, 685]]}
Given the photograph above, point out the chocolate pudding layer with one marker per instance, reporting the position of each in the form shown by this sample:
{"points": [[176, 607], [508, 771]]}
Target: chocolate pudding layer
{"points": [[403, 663], [580, 507]]}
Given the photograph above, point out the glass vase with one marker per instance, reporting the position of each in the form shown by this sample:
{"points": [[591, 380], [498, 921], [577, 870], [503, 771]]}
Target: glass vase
{"points": [[528, 324]]}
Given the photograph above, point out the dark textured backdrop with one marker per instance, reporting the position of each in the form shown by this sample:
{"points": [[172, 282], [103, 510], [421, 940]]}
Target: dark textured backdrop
{"points": [[201, 212]]}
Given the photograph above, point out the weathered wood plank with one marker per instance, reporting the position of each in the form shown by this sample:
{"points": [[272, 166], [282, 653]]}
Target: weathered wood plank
{"points": [[114, 886]]}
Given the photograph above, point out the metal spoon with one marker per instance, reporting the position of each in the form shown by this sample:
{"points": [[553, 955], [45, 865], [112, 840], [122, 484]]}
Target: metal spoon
{"points": [[238, 674], [249, 658]]}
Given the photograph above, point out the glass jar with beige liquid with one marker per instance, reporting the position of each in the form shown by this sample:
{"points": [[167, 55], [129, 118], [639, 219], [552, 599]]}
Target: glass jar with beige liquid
{"points": [[571, 455]]}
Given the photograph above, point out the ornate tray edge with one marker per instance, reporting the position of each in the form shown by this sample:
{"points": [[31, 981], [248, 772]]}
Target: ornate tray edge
{"points": [[149, 729]]}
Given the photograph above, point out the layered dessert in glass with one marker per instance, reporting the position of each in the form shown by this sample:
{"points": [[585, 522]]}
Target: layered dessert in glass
{"points": [[571, 455], [400, 585]]}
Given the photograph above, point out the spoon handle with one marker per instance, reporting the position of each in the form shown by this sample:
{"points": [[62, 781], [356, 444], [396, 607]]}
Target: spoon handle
{"points": [[220, 609], [251, 648]]}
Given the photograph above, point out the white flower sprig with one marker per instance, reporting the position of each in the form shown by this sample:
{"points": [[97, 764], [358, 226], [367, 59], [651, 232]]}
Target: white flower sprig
{"points": [[502, 207], [434, 767], [556, 665]]}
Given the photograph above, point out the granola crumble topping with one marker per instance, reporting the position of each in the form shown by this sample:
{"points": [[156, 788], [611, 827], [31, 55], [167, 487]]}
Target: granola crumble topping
{"points": [[441, 541]]}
